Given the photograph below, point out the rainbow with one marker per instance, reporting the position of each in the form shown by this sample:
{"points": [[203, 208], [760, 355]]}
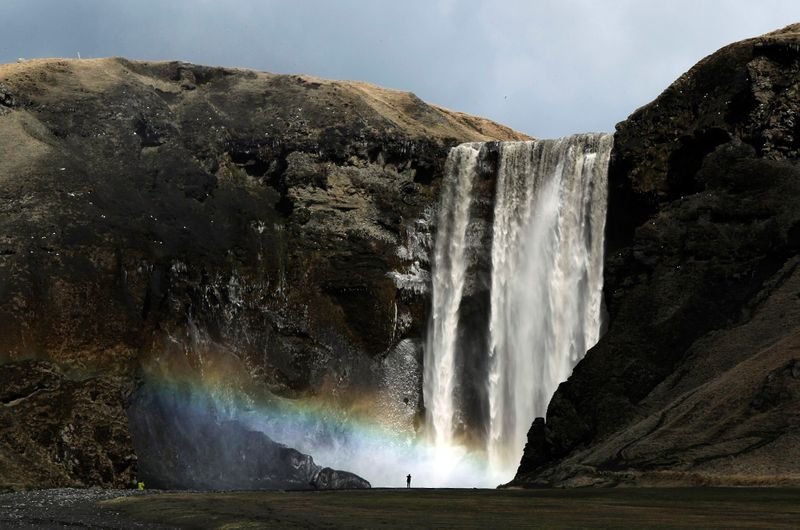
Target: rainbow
{"points": [[351, 437]]}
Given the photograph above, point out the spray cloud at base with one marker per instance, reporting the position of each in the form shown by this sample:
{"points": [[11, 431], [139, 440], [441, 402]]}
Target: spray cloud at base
{"points": [[212, 420]]}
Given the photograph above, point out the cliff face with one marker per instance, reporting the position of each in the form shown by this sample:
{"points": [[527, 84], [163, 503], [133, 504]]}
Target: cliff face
{"points": [[698, 377], [160, 220]]}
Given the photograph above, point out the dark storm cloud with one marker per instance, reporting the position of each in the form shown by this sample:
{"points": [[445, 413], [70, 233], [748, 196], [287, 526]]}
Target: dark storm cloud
{"points": [[544, 67]]}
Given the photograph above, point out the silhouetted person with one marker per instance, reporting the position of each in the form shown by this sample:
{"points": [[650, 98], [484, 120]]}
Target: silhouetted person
{"points": [[408, 481]]}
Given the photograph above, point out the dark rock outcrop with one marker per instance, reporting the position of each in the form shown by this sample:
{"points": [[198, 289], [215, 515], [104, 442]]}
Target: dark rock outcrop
{"points": [[691, 382], [60, 431], [150, 210]]}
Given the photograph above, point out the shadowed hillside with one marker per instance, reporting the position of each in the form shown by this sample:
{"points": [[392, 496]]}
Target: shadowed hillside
{"points": [[698, 377]]}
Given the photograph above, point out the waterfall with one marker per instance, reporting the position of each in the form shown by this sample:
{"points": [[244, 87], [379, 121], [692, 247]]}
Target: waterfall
{"points": [[545, 287], [448, 281]]}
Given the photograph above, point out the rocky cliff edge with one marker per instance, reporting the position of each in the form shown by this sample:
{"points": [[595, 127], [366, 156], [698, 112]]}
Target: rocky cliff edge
{"points": [[697, 380]]}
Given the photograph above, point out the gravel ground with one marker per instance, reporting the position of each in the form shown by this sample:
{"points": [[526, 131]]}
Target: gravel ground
{"points": [[66, 508], [658, 508]]}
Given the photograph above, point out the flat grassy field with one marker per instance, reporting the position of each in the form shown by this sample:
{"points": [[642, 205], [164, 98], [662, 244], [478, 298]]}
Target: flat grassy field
{"points": [[454, 508]]}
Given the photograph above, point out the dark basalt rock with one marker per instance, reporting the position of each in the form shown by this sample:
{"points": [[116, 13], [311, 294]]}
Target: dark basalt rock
{"points": [[331, 479], [7, 99], [700, 283], [778, 388], [58, 431], [537, 447]]}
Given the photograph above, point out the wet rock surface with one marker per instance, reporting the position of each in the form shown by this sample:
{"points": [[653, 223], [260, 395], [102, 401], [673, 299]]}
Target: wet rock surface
{"points": [[161, 210], [701, 279]]}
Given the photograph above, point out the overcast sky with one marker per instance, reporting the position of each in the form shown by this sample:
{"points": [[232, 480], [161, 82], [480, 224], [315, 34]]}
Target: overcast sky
{"points": [[545, 67]]}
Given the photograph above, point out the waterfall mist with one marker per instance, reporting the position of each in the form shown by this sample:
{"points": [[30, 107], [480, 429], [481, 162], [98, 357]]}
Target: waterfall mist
{"points": [[545, 289]]}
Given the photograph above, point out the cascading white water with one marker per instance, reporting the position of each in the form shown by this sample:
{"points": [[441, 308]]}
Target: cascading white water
{"points": [[546, 284], [448, 286], [547, 272]]}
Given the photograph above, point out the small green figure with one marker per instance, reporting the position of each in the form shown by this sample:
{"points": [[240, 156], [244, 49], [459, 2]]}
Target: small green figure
{"points": [[140, 486]]}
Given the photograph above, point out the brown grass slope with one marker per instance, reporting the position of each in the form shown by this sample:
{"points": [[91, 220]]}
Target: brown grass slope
{"points": [[91, 151]]}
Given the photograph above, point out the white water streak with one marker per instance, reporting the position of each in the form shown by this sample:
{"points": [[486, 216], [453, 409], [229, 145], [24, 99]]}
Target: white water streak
{"points": [[449, 273]]}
